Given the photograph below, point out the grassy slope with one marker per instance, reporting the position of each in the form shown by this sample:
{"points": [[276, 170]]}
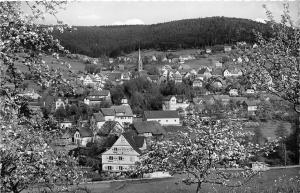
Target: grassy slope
{"points": [[263, 181]]}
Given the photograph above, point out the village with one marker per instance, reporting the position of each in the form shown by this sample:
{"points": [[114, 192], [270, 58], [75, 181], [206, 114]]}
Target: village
{"points": [[120, 135]]}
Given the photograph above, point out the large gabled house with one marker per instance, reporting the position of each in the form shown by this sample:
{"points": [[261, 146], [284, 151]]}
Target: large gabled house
{"points": [[96, 97], [163, 117], [124, 153]]}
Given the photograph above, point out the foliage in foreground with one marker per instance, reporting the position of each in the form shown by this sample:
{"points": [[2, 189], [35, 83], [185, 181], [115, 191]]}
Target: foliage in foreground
{"points": [[27, 158], [206, 153]]}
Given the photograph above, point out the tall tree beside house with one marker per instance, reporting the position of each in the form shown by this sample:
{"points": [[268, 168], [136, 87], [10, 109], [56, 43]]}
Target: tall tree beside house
{"points": [[274, 65], [204, 152], [27, 157]]}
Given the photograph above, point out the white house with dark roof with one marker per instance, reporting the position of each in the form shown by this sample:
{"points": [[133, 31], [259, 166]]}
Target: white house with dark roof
{"points": [[173, 102], [252, 106], [96, 97], [163, 117], [59, 103], [124, 153], [82, 136], [232, 72]]}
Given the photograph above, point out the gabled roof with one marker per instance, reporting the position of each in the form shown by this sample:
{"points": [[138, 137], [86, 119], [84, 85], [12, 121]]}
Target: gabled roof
{"points": [[252, 102], [161, 114], [221, 97], [113, 110], [149, 127], [202, 71], [85, 132], [135, 141], [113, 76], [108, 111], [99, 93], [126, 109], [108, 128], [99, 117]]}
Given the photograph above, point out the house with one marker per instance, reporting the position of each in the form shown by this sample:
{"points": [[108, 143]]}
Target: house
{"points": [[110, 128], [250, 91], [66, 123], [193, 72], [59, 103], [149, 129], [217, 72], [173, 102], [82, 136], [177, 77], [218, 64], [30, 93], [205, 99], [233, 92], [124, 153], [198, 83], [98, 119], [125, 76], [227, 48], [122, 113], [208, 50], [251, 106], [88, 80], [205, 72], [217, 82], [111, 60], [163, 117], [66, 139], [232, 72], [96, 97]]}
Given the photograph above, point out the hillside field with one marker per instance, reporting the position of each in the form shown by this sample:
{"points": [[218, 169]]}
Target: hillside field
{"points": [[261, 182]]}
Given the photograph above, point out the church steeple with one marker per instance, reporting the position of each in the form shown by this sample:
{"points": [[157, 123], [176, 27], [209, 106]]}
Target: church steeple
{"points": [[140, 62]]}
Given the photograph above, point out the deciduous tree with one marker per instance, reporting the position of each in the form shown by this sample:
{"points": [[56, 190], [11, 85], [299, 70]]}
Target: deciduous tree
{"points": [[204, 153]]}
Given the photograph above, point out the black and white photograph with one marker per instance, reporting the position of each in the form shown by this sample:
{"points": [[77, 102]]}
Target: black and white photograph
{"points": [[140, 96]]}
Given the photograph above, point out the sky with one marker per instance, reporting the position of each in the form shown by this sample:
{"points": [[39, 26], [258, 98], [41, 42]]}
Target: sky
{"points": [[98, 13]]}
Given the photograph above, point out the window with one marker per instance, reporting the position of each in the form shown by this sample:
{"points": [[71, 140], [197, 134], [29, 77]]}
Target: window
{"points": [[120, 167], [132, 159], [166, 120], [115, 149], [111, 158], [120, 158], [109, 168]]}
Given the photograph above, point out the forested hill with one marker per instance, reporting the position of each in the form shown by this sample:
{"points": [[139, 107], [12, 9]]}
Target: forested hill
{"points": [[95, 41]]}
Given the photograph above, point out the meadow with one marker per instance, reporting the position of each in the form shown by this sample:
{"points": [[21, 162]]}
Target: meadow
{"points": [[275, 180]]}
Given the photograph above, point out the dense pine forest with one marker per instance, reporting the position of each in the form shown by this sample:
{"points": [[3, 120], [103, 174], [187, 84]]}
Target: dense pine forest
{"points": [[96, 41]]}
